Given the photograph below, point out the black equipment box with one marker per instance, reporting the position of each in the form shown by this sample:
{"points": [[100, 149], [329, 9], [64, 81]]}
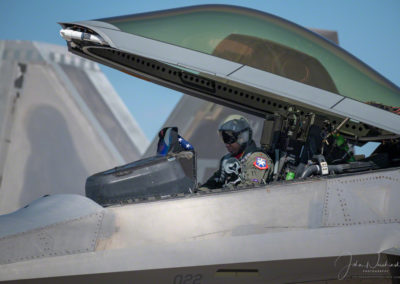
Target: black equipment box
{"points": [[156, 176]]}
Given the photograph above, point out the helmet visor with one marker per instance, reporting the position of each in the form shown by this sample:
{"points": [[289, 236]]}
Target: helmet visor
{"points": [[228, 137]]}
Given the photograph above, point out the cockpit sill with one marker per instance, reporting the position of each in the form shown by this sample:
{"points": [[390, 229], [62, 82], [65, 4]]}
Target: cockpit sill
{"points": [[280, 185]]}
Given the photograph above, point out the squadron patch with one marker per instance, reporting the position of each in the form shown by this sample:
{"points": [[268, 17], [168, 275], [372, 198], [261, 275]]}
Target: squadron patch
{"points": [[261, 163]]}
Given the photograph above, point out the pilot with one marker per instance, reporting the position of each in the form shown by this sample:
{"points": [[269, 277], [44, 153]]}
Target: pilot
{"points": [[245, 164]]}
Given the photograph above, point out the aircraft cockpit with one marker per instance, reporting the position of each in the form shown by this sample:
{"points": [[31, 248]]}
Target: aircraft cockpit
{"points": [[302, 146], [316, 100]]}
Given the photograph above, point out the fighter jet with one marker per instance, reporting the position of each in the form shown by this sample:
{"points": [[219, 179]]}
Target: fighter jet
{"points": [[333, 218]]}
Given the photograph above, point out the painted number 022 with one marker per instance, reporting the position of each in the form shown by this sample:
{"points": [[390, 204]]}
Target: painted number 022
{"points": [[188, 279]]}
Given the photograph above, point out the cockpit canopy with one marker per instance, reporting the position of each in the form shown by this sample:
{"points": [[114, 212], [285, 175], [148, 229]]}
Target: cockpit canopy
{"points": [[265, 42]]}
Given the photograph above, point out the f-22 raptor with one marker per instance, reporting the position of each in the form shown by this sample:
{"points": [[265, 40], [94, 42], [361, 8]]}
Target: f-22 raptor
{"points": [[337, 217]]}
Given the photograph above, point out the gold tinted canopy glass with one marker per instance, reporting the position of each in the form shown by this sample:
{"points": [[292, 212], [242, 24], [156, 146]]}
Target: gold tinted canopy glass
{"points": [[265, 42]]}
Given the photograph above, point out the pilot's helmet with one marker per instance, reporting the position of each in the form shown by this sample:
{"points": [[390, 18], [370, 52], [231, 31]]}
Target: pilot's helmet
{"points": [[235, 128]]}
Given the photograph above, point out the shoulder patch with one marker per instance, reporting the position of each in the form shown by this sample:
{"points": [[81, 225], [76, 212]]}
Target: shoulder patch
{"points": [[261, 163]]}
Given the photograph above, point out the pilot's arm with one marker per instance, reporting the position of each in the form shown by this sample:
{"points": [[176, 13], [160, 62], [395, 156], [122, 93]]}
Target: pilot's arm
{"points": [[216, 180], [212, 183], [257, 169]]}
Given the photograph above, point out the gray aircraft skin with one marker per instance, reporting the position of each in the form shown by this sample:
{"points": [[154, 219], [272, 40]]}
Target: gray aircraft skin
{"points": [[326, 228]]}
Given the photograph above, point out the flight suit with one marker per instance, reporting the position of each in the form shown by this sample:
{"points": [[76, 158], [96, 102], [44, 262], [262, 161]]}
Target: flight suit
{"points": [[256, 168]]}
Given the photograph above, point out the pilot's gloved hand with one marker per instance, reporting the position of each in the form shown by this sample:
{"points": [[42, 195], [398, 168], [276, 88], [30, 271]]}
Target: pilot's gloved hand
{"points": [[231, 169], [203, 189], [229, 186]]}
